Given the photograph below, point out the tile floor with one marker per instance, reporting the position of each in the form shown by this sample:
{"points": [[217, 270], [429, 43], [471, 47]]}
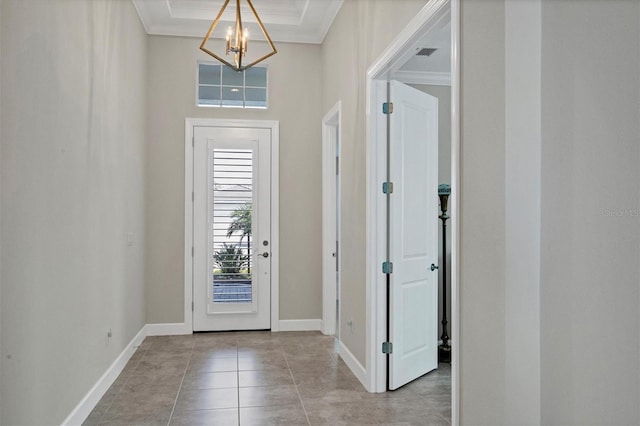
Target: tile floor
{"points": [[260, 378]]}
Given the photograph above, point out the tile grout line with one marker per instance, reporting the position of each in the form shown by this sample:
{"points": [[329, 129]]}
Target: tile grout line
{"points": [[186, 368], [295, 384]]}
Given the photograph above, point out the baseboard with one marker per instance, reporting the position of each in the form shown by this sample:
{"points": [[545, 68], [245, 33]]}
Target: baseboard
{"points": [[168, 329], [354, 365], [91, 399], [300, 325]]}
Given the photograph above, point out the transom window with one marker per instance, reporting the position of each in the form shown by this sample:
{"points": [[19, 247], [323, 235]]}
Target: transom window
{"points": [[221, 86]]}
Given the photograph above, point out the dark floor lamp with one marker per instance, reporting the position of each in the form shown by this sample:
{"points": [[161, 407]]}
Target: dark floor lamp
{"points": [[444, 350]]}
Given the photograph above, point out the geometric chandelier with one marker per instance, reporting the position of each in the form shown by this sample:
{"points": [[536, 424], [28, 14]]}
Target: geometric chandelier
{"points": [[237, 39]]}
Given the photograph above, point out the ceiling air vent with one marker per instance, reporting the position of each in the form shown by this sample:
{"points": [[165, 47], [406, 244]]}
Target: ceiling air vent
{"points": [[425, 51]]}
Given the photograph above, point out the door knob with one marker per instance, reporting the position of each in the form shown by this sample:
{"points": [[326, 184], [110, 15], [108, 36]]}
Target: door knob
{"points": [[434, 267], [265, 254]]}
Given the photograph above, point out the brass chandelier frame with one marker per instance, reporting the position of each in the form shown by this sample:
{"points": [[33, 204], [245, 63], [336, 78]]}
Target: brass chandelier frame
{"points": [[239, 51]]}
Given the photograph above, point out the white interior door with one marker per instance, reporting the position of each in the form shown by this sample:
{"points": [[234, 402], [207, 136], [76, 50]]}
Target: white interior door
{"points": [[413, 234], [232, 229]]}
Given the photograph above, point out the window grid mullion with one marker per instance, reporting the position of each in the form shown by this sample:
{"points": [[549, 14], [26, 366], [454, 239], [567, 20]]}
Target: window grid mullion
{"points": [[222, 86]]}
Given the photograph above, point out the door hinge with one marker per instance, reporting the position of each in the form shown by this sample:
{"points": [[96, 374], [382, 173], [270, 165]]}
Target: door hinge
{"points": [[387, 267], [192, 251], [191, 306], [387, 187], [193, 197], [387, 108], [387, 347], [193, 141]]}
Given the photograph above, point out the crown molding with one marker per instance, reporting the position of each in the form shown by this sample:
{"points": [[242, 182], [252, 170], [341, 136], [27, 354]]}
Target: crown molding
{"points": [[311, 27]]}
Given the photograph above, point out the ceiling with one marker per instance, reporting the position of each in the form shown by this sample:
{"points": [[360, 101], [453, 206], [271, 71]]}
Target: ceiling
{"points": [[440, 59], [432, 69], [296, 21]]}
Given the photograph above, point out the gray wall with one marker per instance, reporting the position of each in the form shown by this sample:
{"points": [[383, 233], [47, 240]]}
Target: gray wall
{"points": [[73, 132], [443, 93], [564, 345], [522, 212], [359, 34], [1, 352], [295, 100], [482, 215], [589, 286]]}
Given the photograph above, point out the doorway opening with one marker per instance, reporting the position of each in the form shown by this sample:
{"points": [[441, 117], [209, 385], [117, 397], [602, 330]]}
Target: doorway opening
{"points": [[391, 65], [331, 221]]}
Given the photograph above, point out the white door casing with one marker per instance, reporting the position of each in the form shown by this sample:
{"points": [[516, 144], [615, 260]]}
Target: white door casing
{"points": [[212, 203], [330, 222], [413, 234], [374, 377]]}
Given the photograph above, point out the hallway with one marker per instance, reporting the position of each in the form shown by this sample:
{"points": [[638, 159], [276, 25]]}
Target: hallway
{"points": [[260, 378]]}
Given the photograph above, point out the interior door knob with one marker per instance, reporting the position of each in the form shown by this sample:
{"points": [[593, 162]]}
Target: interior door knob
{"points": [[434, 267]]}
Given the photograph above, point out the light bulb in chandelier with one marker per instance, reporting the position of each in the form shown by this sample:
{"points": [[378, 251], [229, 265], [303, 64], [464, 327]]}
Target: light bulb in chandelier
{"points": [[239, 43]]}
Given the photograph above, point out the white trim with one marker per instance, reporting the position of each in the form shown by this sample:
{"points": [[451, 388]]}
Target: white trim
{"points": [[169, 329], [157, 20], [188, 223], [354, 365], [400, 49], [300, 325], [391, 59], [80, 413], [419, 77], [274, 126], [330, 122], [376, 322], [454, 208], [141, 10]]}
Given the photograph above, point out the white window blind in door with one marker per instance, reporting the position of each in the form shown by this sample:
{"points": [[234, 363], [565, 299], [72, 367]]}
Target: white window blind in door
{"points": [[231, 171]]}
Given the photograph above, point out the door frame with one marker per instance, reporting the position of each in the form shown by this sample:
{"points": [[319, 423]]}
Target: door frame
{"points": [[330, 122], [274, 127], [378, 73]]}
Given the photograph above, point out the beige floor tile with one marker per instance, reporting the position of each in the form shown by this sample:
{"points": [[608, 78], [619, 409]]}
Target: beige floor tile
{"points": [[218, 351], [144, 402], [291, 415], [168, 343], [334, 391], [265, 378], [198, 365], [146, 419], [260, 378], [261, 396], [228, 379], [262, 363], [259, 352], [221, 417], [215, 340], [207, 399]]}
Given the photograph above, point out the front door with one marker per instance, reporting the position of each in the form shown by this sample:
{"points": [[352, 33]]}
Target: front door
{"points": [[413, 233], [232, 229]]}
